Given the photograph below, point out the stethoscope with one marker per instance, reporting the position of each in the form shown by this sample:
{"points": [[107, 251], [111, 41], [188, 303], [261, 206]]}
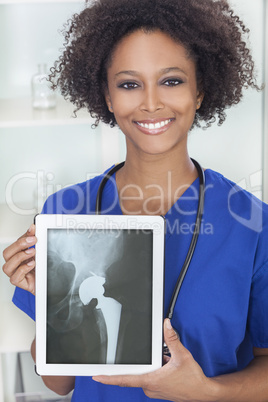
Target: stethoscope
{"points": [[196, 231]]}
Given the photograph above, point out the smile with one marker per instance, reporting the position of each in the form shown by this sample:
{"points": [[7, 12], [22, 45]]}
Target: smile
{"points": [[153, 126]]}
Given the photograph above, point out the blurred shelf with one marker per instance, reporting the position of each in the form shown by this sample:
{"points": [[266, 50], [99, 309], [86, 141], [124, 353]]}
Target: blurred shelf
{"points": [[18, 330], [19, 113]]}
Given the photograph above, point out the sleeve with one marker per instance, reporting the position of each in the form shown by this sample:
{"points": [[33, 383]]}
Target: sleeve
{"points": [[70, 200], [258, 308], [25, 301]]}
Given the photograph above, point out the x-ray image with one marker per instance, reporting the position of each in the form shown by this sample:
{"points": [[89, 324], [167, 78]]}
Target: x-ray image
{"points": [[99, 296]]}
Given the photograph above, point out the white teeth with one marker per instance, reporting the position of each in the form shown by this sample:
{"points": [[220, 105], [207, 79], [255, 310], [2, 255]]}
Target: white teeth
{"points": [[152, 126]]}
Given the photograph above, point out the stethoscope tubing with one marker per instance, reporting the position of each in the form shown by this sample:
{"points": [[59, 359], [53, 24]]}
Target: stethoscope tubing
{"points": [[190, 253], [107, 177], [197, 226]]}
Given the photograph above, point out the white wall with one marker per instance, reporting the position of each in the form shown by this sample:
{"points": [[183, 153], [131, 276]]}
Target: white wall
{"points": [[57, 155], [236, 148], [30, 35]]}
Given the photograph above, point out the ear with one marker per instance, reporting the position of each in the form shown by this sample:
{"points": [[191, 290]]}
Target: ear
{"points": [[108, 100], [199, 100]]}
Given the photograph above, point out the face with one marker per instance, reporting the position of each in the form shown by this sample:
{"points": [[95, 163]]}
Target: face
{"points": [[152, 91]]}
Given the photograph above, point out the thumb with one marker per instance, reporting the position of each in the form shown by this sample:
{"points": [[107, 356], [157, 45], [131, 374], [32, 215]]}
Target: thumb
{"points": [[31, 230], [172, 339]]}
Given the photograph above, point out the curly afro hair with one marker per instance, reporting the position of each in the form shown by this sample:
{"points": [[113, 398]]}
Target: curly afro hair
{"points": [[210, 31]]}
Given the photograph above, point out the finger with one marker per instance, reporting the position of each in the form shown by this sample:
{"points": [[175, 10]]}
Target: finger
{"points": [[24, 242], [172, 340], [30, 231], [18, 259], [136, 381], [24, 277]]}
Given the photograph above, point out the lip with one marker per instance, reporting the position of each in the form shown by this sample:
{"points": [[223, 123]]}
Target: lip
{"points": [[154, 131]]}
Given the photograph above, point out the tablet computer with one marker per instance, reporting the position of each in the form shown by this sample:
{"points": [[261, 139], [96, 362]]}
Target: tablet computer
{"points": [[99, 294]]}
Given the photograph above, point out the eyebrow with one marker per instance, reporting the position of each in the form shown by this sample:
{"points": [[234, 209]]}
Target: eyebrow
{"points": [[163, 71]]}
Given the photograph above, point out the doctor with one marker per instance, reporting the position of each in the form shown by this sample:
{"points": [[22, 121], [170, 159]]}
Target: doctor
{"points": [[156, 69]]}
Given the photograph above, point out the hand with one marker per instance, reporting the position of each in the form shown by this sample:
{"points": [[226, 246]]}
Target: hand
{"points": [[20, 261], [180, 379]]}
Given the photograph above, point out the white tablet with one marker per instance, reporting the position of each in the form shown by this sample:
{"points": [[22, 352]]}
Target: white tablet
{"points": [[99, 294]]}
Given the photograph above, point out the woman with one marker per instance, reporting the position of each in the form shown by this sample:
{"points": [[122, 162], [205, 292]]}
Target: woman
{"points": [[156, 69]]}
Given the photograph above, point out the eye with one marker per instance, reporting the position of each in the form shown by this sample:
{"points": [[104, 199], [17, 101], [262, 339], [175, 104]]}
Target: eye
{"points": [[172, 82], [128, 85]]}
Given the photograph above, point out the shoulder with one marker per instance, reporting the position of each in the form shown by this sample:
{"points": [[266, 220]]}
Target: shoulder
{"points": [[239, 203], [76, 199], [243, 216]]}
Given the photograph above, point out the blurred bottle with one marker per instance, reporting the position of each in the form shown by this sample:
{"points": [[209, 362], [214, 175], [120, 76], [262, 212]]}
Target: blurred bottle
{"points": [[42, 95]]}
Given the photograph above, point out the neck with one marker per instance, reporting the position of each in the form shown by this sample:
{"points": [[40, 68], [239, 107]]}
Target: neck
{"points": [[151, 184]]}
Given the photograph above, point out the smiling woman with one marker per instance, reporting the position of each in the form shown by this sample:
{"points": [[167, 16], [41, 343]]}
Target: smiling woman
{"points": [[209, 30], [152, 92], [157, 68]]}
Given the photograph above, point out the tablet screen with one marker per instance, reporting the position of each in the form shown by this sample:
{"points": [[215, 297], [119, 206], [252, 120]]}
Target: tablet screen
{"points": [[99, 296]]}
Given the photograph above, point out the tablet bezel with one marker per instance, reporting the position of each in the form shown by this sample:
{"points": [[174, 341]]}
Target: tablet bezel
{"points": [[130, 222]]}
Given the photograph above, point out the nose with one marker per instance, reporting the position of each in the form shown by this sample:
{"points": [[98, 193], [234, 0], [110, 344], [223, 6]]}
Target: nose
{"points": [[151, 101]]}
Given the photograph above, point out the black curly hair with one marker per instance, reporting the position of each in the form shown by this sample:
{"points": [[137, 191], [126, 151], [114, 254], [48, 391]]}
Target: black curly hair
{"points": [[210, 31]]}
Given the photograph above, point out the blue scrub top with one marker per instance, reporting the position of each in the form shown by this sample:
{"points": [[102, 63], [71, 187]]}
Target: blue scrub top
{"points": [[222, 309]]}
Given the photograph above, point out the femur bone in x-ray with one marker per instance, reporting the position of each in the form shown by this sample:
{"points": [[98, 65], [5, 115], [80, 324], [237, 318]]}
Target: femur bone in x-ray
{"points": [[92, 288]]}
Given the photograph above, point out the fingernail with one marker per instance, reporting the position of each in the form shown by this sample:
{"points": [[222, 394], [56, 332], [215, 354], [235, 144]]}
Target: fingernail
{"points": [[30, 239], [31, 263], [99, 378], [30, 228], [96, 379], [168, 324], [29, 250]]}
